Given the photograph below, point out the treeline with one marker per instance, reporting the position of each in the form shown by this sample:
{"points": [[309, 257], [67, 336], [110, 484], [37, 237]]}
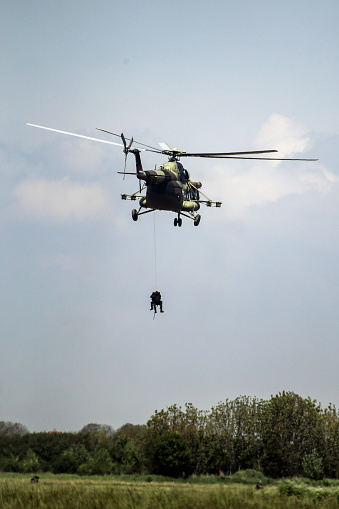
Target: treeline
{"points": [[282, 437]]}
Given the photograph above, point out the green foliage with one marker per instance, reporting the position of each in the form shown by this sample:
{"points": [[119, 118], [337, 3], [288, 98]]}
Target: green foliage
{"points": [[249, 476], [8, 428], [71, 459], [290, 428], [214, 457], [285, 436], [330, 450], [98, 464], [95, 428], [10, 463], [70, 491], [289, 488], [30, 463], [170, 455], [312, 465], [132, 461]]}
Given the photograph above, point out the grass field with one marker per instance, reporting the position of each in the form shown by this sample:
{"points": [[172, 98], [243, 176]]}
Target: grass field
{"points": [[73, 492]]}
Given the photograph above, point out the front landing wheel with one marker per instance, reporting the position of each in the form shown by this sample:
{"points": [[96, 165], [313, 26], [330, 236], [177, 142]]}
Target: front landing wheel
{"points": [[197, 220], [134, 215]]}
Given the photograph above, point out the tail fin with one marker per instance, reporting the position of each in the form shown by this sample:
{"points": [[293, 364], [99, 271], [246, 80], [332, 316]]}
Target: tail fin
{"points": [[136, 152], [138, 163]]}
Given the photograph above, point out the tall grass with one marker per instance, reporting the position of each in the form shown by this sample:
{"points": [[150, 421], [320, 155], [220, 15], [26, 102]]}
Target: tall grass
{"points": [[103, 493]]}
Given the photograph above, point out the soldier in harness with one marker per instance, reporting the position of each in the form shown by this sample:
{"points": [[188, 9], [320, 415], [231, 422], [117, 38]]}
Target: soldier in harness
{"points": [[156, 301]]}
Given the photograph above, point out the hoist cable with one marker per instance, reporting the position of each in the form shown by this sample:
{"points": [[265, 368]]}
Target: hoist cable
{"points": [[155, 256]]}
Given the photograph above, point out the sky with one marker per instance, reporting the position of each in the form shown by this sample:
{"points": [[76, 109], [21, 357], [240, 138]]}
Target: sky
{"points": [[251, 294]]}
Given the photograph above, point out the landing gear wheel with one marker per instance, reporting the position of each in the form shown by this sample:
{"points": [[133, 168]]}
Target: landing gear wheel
{"points": [[197, 219], [175, 221], [134, 215], [179, 221]]}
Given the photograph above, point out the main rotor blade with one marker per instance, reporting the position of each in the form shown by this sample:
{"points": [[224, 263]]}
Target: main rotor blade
{"points": [[77, 135], [164, 146], [263, 158], [242, 155], [224, 154], [128, 139]]}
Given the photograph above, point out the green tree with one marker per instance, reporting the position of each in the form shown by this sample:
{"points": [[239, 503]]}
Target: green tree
{"points": [[132, 459], [246, 414], [8, 428], [30, 463], [10, 463], [330, 450], [94, 428], [101, 463], [71, 459], [49, 446], [291, 428], [169, 455], [312, 465], [126, 448], [220, 432], [213, 458]]}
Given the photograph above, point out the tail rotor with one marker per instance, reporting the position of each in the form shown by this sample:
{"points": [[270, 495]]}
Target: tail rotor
{"points": [[126, 150]]}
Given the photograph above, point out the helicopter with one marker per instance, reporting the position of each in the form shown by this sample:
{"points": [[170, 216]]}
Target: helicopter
{"points": [[170, 187]]}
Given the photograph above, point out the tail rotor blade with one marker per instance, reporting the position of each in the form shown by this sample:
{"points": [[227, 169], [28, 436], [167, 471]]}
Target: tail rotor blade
{"points": [[125, 166], [130, 144], [124, 141], [126, 152]]}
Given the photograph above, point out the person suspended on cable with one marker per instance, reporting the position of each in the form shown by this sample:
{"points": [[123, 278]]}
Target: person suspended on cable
{"points": [[156, 301]]}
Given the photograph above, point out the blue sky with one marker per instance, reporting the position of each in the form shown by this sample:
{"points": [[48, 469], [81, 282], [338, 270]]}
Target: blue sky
{"points": [[251, 295]]}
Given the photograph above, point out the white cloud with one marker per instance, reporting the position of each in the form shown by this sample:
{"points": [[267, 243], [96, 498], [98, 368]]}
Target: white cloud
{"points": [[242, 185], [257, 186], [81, 156], [282, 134], [60, 201]]}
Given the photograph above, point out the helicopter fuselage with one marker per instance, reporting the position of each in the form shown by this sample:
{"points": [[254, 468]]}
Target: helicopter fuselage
{"points": [[168, 188]]}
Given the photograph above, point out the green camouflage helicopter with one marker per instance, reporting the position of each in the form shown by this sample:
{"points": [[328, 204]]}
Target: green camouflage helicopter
{"points": [[170, 187]]}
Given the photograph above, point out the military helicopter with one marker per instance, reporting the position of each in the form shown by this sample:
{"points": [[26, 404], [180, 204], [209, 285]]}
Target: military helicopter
{"points": [[170, 187]]}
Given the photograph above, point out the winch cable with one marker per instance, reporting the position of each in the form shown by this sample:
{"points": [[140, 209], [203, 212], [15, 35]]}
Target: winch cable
{"points": [[155, 260], [155, 256]]}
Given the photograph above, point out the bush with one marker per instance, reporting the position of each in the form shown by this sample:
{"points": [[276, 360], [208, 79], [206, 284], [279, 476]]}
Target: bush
{"points": [[249, 476], [289, 488], [170, 455], [30, 463], [312, 466]]}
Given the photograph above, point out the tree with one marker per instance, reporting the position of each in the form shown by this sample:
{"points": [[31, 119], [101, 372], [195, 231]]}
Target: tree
{"points": [[169, 455], [30, 463], [94, 428], [129, 430], [100, 463], [312, 466], [8, 428], [213, 457], [245, 417], [291, 428], [71, 459], [330, 451]]}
